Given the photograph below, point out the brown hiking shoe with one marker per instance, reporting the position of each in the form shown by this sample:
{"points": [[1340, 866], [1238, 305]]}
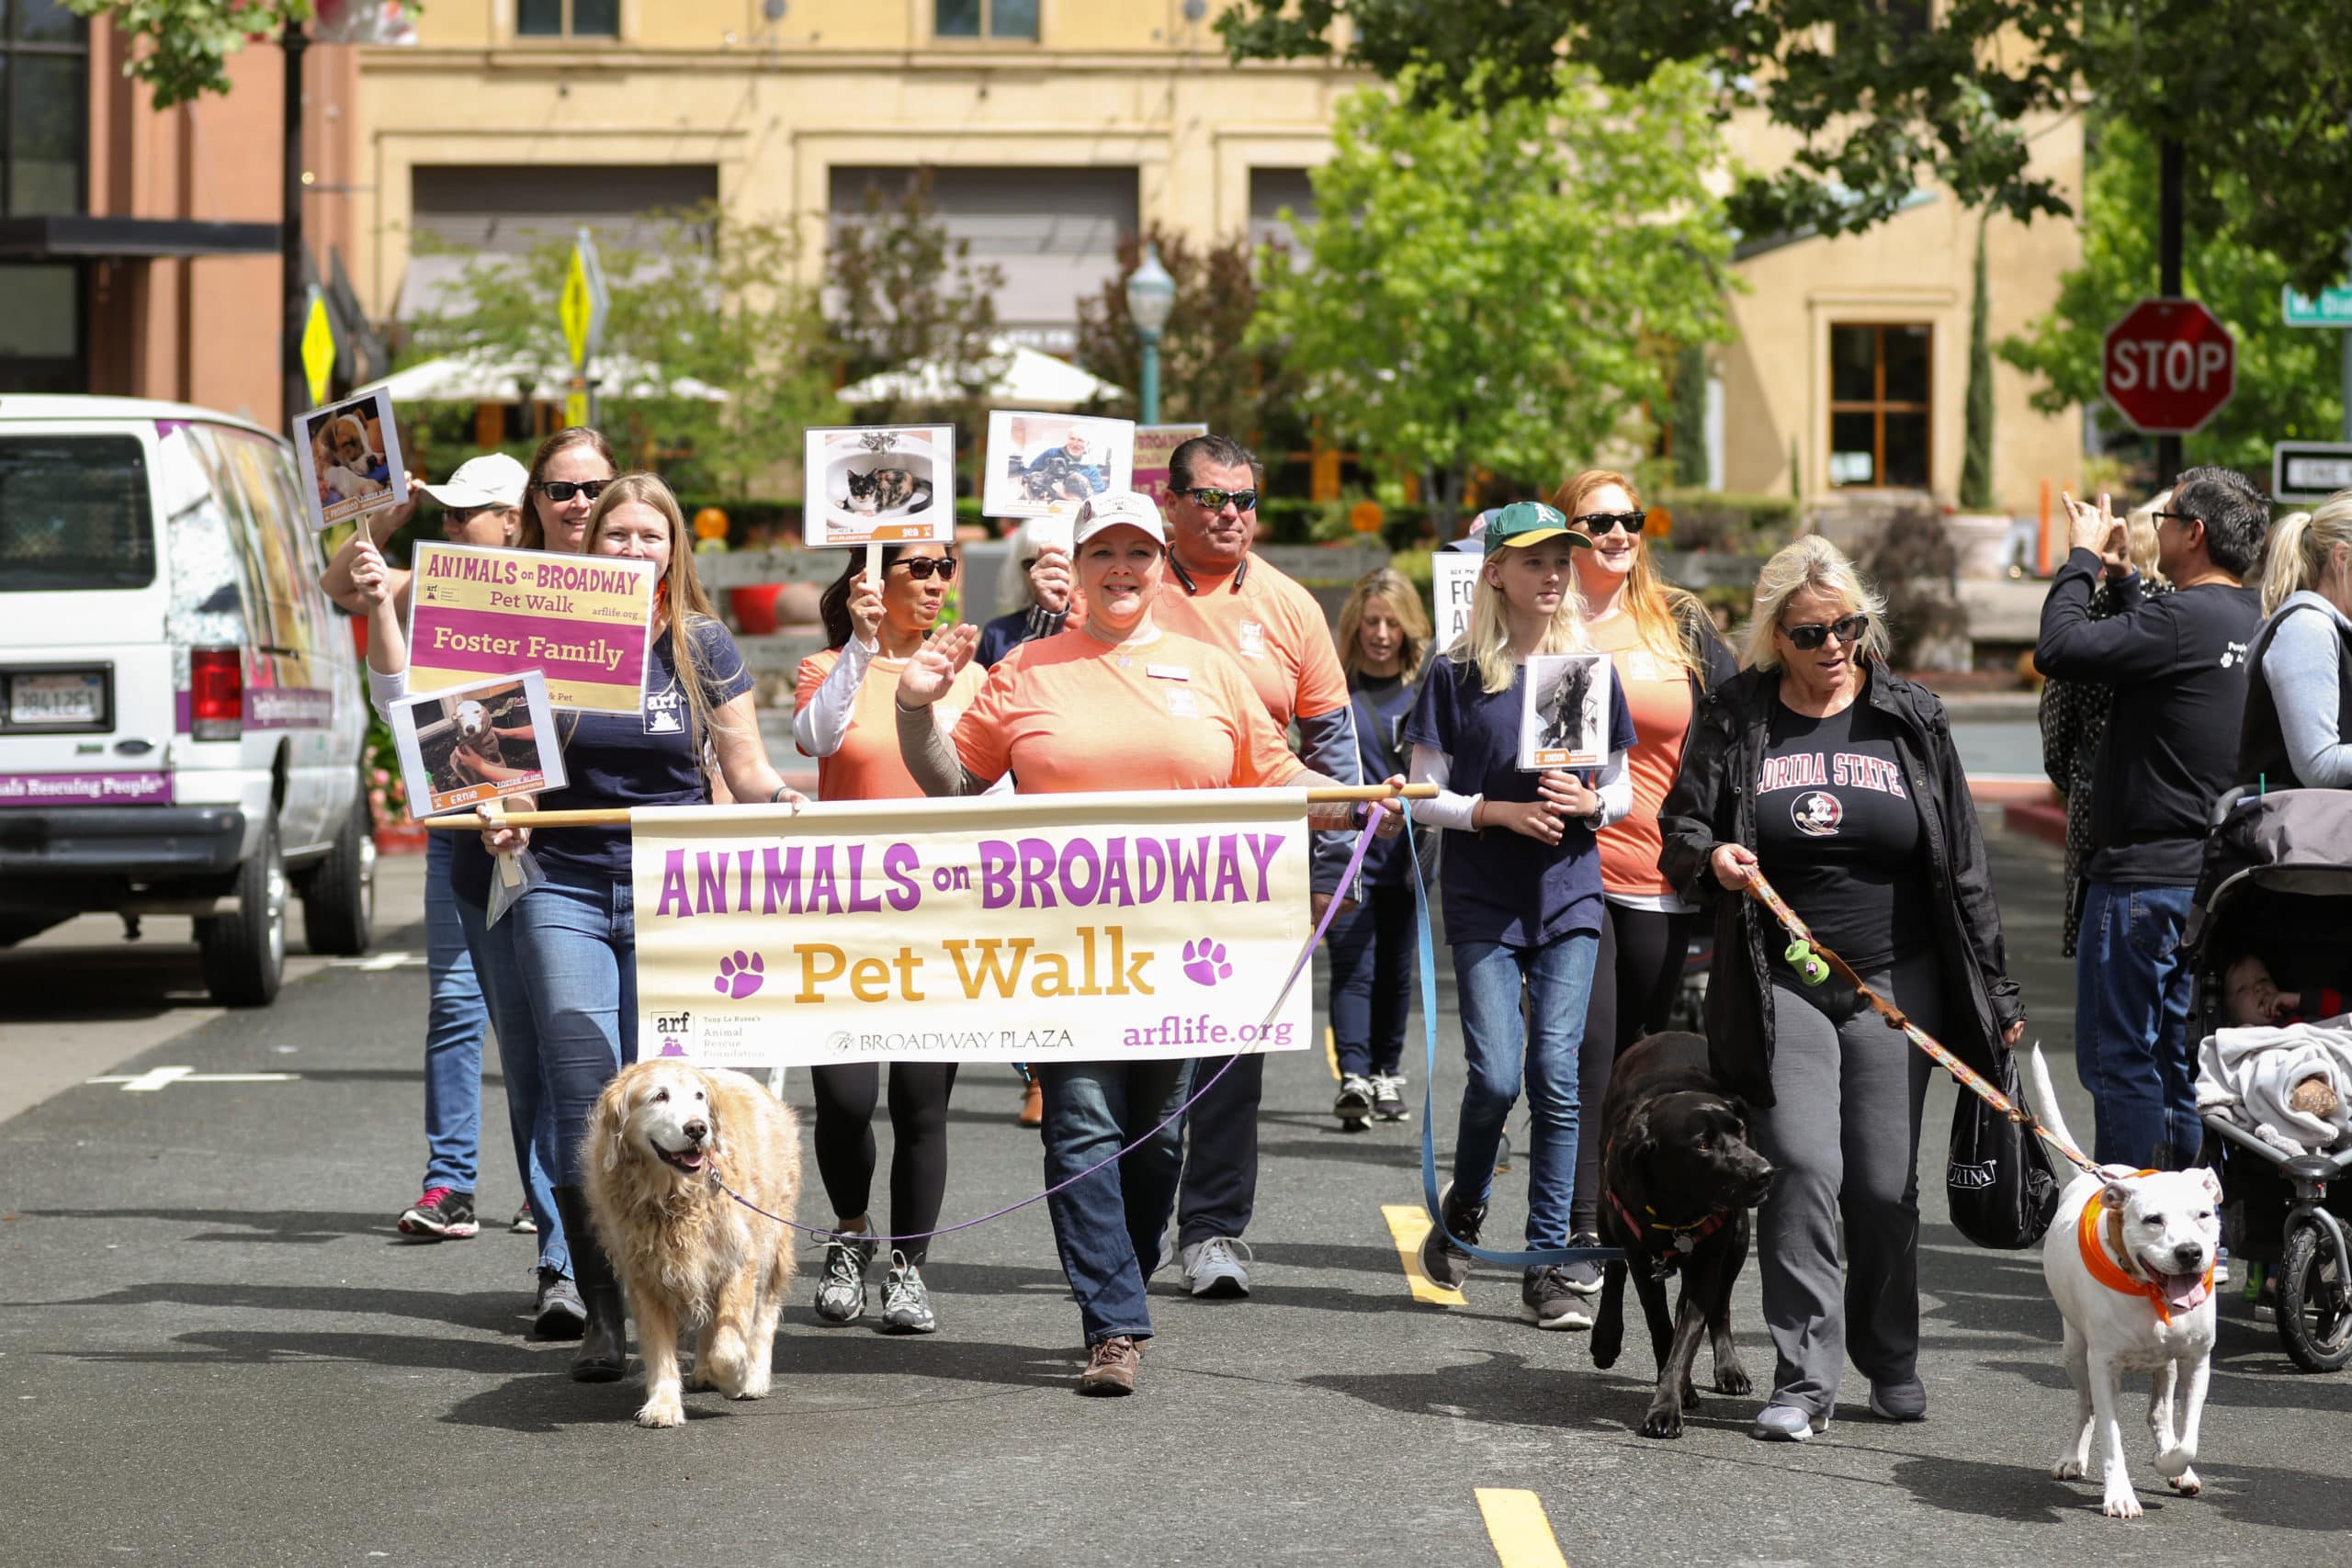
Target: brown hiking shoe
{"points": [[1033, 1104], [1111, 1366]]}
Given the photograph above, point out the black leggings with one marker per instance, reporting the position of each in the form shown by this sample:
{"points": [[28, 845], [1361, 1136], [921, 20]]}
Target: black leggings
{"points": [[1634, 977], [845, 1098]]}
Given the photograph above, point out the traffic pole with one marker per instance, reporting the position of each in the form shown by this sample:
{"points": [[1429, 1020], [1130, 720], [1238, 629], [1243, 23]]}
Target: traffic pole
{"points": [[294, 298], [2168, 194]]}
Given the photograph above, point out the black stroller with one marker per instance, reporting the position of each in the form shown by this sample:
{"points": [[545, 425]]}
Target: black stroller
{"points": [[2278, 881]]}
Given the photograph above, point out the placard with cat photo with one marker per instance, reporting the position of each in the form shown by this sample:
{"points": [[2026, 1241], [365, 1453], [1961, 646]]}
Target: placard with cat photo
{"points": [[485, 740], [881, 484], [1040, 464], [1563, 712]]}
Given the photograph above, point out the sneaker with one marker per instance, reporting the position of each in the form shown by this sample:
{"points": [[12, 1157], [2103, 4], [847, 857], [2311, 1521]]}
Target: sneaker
{"points": [[1548, 1301], [1583, 1277], [841, 1290], [906, 1304], [1905, 1400], [1786, 1424], [1443, 1263], [559, 1314], [440, 1214], [1354, 1107], [1111, 1366], [524, 1223], [1033, 1105], [1212, 1271], [1388, 1097]]}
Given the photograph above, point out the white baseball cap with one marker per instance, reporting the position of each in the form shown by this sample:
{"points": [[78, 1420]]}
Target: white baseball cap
{"points": [[491, 480], [1119, 509]]}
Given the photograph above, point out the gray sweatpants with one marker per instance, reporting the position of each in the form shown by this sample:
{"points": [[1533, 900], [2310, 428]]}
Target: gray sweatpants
{"points": [[1843, 1137]]}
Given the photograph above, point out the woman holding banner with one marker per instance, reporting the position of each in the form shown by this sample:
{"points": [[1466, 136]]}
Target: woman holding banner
{"points": [[844, 721], [1115, 704], [575, 933]]}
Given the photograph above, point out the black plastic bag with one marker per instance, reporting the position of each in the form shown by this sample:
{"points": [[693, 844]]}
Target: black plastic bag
{"points": [[1998, 1178]]}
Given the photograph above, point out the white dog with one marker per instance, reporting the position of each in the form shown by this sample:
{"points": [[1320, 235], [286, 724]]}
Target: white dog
{"points": [[2129, 1260], [662, 1134]]}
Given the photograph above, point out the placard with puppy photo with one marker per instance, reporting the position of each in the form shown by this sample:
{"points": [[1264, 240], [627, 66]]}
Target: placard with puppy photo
{"points": [[881, 484], [1040, 464], [1564, 714], [485, 741], [350, 457]]}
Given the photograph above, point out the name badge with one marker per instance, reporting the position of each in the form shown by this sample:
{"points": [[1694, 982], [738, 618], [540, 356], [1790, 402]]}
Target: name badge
{"points": [[1169, 672]]}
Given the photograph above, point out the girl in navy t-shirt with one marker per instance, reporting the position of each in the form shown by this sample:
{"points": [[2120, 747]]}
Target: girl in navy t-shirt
{"points": [[1521, 889]]}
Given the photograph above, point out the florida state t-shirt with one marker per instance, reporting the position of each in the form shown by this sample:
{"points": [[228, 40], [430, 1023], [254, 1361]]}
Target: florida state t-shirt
{"points": [[1838, 832]]}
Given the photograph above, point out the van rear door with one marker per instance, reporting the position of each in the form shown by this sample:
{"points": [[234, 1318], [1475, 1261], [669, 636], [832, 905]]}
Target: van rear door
{"points": [[87, 685]]}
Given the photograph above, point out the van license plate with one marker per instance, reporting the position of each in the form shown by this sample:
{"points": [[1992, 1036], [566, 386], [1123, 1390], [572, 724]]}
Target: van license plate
{"points": [[56, 699]]}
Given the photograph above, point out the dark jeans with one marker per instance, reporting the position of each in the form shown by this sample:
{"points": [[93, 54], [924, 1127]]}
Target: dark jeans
{"points": [[1523, 1018], [1220, 1182], [1373, 970], [1634, 982], [1108, 1227], [2131, 1044], [845, 1099]]}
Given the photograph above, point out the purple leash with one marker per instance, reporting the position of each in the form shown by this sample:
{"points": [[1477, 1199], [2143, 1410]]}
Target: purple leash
{"points": [[824, 1233]]}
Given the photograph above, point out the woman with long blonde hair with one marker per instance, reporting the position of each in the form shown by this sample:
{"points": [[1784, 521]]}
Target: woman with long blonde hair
{"points": [[2296, 713], [1665, 653], [1521, 890]]}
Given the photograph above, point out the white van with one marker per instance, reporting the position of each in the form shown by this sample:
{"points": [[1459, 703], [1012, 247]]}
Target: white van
{"points": [[182, 716]]}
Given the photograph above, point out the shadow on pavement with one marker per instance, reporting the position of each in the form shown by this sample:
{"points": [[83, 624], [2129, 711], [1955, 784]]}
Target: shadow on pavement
{"points": [[307, 1226], [495, 1311], [2022, 1492]]}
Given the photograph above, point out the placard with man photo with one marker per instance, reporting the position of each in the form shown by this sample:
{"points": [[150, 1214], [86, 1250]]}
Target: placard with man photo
{"points": [[1039, 464]]}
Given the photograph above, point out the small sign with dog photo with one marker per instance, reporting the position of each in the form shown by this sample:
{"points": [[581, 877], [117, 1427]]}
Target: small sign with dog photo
{"points": [[1039, 465], [350, 457], [881, 484], [1563, 712], [464, 745]]}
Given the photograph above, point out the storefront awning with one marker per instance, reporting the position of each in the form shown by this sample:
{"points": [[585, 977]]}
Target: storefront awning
{"points": [[73, 237]]}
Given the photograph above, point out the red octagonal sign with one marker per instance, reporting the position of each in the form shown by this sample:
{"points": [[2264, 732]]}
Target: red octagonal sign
{"points": [[2168, 367]]}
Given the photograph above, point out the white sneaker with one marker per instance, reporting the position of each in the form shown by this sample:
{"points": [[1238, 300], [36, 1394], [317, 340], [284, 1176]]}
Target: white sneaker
{"points": [[1353, 1105], [1212, 1271]]}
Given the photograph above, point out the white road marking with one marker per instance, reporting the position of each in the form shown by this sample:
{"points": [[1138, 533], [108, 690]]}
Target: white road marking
{"points": [[155, 1078], [376, 962]]}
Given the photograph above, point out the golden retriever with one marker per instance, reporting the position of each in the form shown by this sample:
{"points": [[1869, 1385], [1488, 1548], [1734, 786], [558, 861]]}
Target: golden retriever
{"points": [[664, 1133]]}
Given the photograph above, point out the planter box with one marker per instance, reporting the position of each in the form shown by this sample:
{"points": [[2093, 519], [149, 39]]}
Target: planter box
{"points": [[401, 839]]}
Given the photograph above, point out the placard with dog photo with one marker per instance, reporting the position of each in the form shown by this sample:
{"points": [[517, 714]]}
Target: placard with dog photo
{"points": [[1039, 464], [881, 484], [350, 456], [467, 744], [1564, 714]]}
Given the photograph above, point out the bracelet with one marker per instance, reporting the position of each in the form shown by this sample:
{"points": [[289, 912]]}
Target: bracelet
{"points": [[781, 791]]}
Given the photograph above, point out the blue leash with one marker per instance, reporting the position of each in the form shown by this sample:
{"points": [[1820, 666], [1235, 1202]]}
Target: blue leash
{"points": [[1536, 1257]]}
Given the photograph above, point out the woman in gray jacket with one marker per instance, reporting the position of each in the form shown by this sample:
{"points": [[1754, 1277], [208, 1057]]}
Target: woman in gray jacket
{"points": [[2295, 716]]}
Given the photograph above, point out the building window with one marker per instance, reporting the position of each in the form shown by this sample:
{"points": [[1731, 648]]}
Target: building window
{"points": [[985, 18], [44, 109], [567, 19], [41, 349], [1881, 405]]}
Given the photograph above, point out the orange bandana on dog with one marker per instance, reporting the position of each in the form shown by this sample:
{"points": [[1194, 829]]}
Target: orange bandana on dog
{"points": [[2104, 1269]]}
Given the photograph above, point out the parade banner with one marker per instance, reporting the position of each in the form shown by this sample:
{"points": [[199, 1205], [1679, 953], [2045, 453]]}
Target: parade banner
{"points": [[1007, 929], [580, 620], [1154, 444]]}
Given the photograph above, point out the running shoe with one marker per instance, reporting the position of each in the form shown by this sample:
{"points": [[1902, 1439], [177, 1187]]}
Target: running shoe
{"points": [[1354, 1107], [1211, 1271], [559, 1314], [1441, 1261], [840, 1289], [1583, 1277], [1547, 1299], [1388, 1097], [524, 1223], [440, 1214], [1111, 1366], [906, 1303]]}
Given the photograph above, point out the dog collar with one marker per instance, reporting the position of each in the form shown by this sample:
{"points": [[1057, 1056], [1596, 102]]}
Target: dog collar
{"points": [[1685, 1236], [2121, 1277]]}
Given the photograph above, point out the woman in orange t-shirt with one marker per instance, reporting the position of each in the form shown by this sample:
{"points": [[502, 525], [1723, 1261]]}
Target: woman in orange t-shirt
{"points": [[844, 721], [1115, 704], [1667, 655]]}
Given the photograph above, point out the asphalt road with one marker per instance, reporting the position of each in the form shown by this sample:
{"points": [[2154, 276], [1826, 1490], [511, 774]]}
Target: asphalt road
{"points": [[215, 1349]]}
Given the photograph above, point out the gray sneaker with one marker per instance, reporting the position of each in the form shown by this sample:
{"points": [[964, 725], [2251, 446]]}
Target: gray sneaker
{"points": [[558, 1312], [841, 1290], [1212, 1271], [1354, 1107], [1583, 1278], [1445, 1264], [906, 1304], [1388, 1097], [1547, 1299]]}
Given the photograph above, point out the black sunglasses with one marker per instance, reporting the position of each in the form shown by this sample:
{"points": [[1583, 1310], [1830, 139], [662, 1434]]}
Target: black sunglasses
{"points": [[461, 516], [1600, 523], [564, 490], [1848, 631], [2176, 516], [1214, 499], [923, 567]]}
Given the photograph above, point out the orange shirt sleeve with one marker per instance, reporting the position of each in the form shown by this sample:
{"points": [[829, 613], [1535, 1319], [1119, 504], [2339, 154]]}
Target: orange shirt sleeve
{"points": [[982, 737], [1262, 755]]}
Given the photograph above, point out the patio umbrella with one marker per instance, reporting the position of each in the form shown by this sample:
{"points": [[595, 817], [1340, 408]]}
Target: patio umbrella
{"points": [[1024, 378]]}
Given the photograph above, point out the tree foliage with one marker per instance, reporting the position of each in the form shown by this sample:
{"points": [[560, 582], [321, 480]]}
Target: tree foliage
{"points": [[1976, 440], [187, 42], [1504, 288], [900, 291], [1209, 372], [2287, 377], [2260, 92]]}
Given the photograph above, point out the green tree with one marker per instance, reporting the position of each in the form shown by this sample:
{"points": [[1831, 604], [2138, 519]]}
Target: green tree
{"points": [[187, 42], [2287, 377], [1883, 100], [1688, 416], [1499, 289], [901, 292], [1976, 454]]}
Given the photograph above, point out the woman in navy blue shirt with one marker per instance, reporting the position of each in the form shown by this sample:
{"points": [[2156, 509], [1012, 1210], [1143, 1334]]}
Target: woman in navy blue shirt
{"points": [[1521, 889], [575, 935]]}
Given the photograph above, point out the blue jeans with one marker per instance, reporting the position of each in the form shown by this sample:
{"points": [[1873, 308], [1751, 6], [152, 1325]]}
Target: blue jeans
{"points": [[575, 939], [1373, 970], [1555, 983], [454, 1017], [530, 1120], [1108, 1227], [2131, 1044]]}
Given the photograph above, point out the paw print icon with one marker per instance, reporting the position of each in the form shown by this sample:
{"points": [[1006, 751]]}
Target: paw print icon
{"points": [[1205, 961], [738, 975]]}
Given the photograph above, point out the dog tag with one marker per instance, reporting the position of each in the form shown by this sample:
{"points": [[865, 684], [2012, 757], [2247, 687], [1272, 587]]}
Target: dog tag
{"points": [[1684, 1241]]}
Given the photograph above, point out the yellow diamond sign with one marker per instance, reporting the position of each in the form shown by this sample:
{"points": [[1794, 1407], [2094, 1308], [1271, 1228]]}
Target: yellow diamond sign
{"points": [[318, 347], [576, 307]]}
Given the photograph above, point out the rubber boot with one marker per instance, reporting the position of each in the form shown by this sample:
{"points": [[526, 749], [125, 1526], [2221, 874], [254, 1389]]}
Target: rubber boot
{"points": [[604, 1341]]}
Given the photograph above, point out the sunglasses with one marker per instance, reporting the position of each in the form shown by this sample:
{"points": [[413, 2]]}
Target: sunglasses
{"points": [[1214, 500], [1847, 629], [1599, 523], [2180, 517], [924, 568], [461, 516], [564, 490]]}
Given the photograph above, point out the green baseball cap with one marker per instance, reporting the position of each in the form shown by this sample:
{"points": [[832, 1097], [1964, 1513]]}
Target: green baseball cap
{"points": [[1530, 523]]}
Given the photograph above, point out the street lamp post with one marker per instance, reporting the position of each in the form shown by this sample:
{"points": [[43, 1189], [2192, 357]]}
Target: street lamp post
{"points": [[1151, 294]]}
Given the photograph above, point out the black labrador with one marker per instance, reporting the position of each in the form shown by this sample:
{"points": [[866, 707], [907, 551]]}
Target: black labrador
{"points": [[1678, 1178]]}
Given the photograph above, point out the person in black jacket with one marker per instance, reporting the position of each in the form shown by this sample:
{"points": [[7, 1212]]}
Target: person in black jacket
{"points": [[1839, 780]]}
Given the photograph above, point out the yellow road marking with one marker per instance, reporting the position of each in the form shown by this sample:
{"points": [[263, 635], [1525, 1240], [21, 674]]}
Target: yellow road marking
{"points": [[1330, 1051], [1409, 1222], [1515, 1524]]}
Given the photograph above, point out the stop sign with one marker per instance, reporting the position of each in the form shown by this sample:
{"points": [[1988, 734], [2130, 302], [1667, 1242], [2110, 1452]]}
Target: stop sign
{"points": [[2168, 367]]}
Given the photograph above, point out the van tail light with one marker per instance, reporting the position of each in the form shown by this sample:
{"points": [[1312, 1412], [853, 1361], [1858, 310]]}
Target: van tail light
{"points": [[216, 694]]}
